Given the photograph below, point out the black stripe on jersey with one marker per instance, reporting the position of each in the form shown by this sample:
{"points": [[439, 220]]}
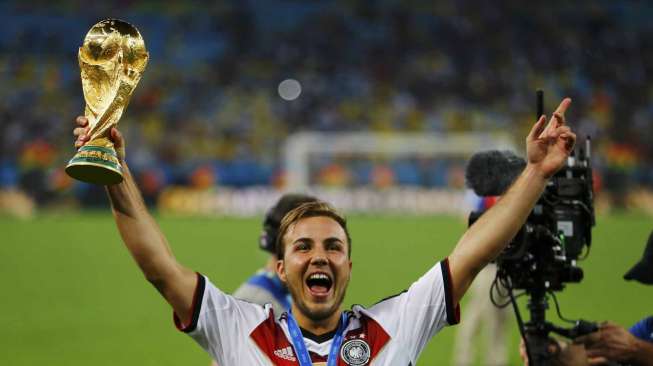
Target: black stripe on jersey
{"points": [[448, 292], [197, 304], [389, 297], [321, 338]]}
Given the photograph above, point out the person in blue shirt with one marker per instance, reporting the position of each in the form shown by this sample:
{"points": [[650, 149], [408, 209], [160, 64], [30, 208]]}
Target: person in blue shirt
{"points": [[643, 329], [612, 342], [642, 272]]}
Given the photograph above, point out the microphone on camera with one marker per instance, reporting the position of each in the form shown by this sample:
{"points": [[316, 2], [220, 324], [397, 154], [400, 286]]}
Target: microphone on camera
{"points": [[490, 173]]}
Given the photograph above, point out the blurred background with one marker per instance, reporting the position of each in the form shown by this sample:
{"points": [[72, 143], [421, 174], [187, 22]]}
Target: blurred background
{"points": [[242, 100], [213, 111]]}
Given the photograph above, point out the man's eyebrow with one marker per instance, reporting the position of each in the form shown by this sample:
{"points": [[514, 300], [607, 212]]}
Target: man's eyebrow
{"points": [[333, 239], [302, 240]]}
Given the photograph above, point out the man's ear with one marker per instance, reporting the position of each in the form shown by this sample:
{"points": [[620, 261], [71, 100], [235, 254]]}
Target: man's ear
{"points": [[281, 270]]}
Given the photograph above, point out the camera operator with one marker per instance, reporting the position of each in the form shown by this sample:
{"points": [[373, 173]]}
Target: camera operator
{"points": [[612, 344]]}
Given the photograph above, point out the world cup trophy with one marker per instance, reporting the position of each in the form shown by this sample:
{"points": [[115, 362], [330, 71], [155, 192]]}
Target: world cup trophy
{"points": [[112, 60]]}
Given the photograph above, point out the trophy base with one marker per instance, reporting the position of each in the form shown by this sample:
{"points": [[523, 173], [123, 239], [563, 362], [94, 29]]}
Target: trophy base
{"points": [[95, 164]]}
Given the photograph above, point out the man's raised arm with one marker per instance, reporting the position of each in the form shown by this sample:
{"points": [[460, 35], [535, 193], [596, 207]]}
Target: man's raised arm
{"points": [[548, 147], [142, 236]]}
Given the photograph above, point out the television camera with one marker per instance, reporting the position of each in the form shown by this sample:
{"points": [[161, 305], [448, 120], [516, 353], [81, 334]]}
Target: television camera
{"points": [[544, 254]]}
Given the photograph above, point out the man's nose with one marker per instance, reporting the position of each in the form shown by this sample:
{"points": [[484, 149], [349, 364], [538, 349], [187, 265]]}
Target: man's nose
{"points": [[319, 257]]}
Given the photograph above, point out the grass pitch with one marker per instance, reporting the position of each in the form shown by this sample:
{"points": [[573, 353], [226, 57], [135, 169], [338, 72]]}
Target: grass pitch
{"points": [[72, 295]]}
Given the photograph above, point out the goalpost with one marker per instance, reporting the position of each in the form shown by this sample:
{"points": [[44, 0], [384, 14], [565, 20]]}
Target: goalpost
{"points": [[300, 147], [445, 154]]}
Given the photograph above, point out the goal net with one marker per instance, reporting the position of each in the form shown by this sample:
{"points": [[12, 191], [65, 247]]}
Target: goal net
{"points": [[395, 172]]}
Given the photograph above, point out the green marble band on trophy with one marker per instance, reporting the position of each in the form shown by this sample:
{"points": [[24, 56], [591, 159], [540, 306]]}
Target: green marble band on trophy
{"points": [[112, 60]]}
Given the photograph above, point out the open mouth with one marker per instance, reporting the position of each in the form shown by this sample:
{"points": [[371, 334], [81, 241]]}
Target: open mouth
{"points": [[319, 283]]}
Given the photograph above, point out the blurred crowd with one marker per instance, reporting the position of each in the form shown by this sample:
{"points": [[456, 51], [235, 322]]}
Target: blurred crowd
{"points": [[207, 111]]}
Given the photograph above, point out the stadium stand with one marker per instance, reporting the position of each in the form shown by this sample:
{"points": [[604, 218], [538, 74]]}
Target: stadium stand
{"points": [[207, 110]]}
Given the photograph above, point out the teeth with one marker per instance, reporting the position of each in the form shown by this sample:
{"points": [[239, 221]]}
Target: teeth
{"points": [[319, 276]]}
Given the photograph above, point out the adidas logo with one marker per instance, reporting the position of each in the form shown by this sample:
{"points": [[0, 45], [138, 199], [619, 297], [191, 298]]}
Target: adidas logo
{"points": [[286, 354]]}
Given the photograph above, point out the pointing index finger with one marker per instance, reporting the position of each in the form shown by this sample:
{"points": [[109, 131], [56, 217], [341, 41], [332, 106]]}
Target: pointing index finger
{"points": [[562, 108]]}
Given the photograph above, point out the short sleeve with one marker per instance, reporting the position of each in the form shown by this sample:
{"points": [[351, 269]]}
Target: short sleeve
{"points": [[219, 321], [414, 316], [643, 329]]}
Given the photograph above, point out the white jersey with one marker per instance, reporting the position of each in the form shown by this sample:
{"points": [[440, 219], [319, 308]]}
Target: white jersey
{"points": [[392, 332]]}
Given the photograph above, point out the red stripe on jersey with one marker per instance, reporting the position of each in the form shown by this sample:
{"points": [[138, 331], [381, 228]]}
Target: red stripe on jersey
{"points": [[269, 337], [489, 201]]}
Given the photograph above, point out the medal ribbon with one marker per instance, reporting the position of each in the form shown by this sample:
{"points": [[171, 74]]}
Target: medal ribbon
{"points": [[300, 347]]}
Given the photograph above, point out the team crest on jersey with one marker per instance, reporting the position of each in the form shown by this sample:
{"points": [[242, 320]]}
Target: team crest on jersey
{"points": [[355, 352]]}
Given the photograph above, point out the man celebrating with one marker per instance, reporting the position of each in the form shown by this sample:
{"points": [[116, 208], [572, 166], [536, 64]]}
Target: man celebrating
{"points": [[265, 287], [314, 250]]}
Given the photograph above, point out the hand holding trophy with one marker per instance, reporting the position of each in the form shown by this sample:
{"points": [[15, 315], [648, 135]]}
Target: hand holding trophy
{"points": [[112, 60]]}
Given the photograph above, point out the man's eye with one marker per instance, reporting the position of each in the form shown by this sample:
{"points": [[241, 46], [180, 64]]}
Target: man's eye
{"points": [[302, 246], [334, 246]]}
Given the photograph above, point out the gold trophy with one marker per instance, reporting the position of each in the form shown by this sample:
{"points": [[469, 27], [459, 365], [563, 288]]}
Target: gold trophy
{"points": [[111, 60]]}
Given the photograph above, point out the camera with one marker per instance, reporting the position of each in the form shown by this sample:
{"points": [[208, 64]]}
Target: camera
{"points": [[545, 251], [544, 254]]}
